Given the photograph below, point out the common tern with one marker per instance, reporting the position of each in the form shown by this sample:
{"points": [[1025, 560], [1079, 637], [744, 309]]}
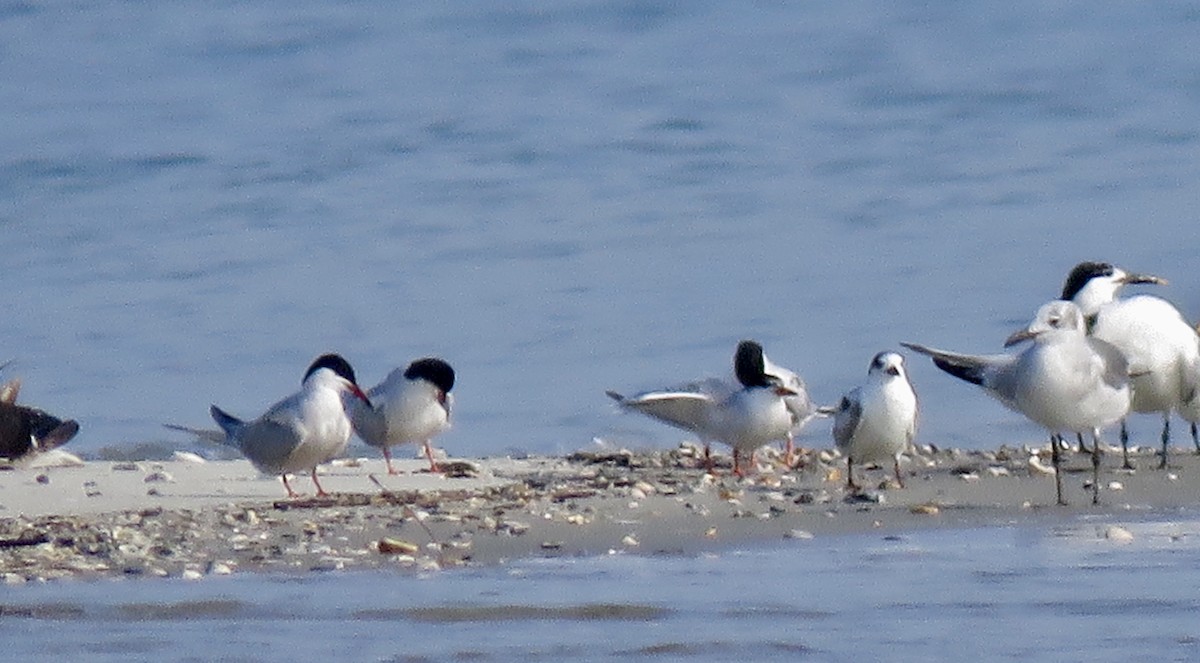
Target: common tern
{"points": [[26, 431], [744, 418], [299, 432], [876, 421], [1065, 380], [1158, 343], [410, 405]]}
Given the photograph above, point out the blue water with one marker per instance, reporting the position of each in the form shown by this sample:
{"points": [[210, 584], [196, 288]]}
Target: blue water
{"points": [[990, 594], [564, 197]]}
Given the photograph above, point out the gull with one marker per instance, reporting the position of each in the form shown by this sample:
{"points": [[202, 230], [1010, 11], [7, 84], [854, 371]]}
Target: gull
{"points": [[744, 418], [299, 432], [877, 420], [1154, 337], [410, 405], [1065, 381], [25, 431]]}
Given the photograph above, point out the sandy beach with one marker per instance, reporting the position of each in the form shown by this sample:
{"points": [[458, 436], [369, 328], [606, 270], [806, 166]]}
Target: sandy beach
{"points": [[192, 518]]}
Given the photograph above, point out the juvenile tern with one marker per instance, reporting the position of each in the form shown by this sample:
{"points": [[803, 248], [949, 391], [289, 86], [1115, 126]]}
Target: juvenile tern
{"points": [[877, 420], [744, 418], [299, 432], [410, 405], [26, 431], [1158, 343], [1065, 381]]}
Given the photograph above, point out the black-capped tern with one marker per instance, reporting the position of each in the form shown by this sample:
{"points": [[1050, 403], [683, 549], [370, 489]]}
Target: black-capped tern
{"points": [[410, 405], [1158, 343], [744, 418], [299, 432]]}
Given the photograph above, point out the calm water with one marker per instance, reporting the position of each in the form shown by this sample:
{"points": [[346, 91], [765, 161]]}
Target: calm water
{"points": [[564, 197], [567, 197], [994, 594]]}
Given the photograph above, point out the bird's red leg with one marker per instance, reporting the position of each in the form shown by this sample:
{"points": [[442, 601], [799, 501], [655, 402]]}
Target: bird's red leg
{"points": [[291, 493], [320, 491], [433, 467]]}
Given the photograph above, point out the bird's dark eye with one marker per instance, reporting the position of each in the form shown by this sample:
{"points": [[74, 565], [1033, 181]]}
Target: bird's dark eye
{"points": [[892, 370]]}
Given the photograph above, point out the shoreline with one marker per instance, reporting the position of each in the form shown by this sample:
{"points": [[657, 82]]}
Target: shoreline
{"points": [[191, 518]]}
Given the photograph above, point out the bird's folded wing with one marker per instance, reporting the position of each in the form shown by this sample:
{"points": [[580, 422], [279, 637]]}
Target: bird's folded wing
{"points": [[847, 414]]}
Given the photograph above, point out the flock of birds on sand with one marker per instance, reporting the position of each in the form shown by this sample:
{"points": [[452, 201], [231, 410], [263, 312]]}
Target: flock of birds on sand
{"points": [[1089, 359]]}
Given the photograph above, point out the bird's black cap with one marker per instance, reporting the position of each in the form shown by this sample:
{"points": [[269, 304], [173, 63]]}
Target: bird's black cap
{"points": [[1081, 274], [748, 365], [335, 363], [433, 370]]}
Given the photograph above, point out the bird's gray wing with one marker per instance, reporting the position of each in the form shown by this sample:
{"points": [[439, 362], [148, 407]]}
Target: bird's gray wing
{"points": [[205, 434], [846, 417], [975, 369], [689, 410], [368, 421], [268, 444], [1116, 366]]}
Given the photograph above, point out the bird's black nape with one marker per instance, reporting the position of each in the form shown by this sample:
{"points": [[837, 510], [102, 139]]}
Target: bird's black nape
{"points": [[433, 370], [335, 363], [1081, 274], [748, 365]]}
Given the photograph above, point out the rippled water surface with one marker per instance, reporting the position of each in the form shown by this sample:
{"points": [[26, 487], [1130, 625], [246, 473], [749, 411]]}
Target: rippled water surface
{"points": [[991, 594], [567, 197]]}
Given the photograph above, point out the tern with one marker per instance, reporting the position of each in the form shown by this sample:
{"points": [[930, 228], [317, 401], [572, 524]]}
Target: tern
{"points": [[744, 418], [799, 405], [1065, 381], [877, 420], [26, 431], [1154, 337], [299, 432], [410, 405]]}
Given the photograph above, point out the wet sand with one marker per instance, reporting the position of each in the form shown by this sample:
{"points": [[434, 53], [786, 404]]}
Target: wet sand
{"points": [[188, 518]]}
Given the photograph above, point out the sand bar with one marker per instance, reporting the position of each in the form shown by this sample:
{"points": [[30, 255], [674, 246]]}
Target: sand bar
{"points": [[189, 519]]}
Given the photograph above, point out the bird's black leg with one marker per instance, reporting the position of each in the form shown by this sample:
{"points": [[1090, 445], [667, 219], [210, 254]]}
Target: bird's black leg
{"points": [[1056, 440], [1166, 439], [1125, 447]]}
